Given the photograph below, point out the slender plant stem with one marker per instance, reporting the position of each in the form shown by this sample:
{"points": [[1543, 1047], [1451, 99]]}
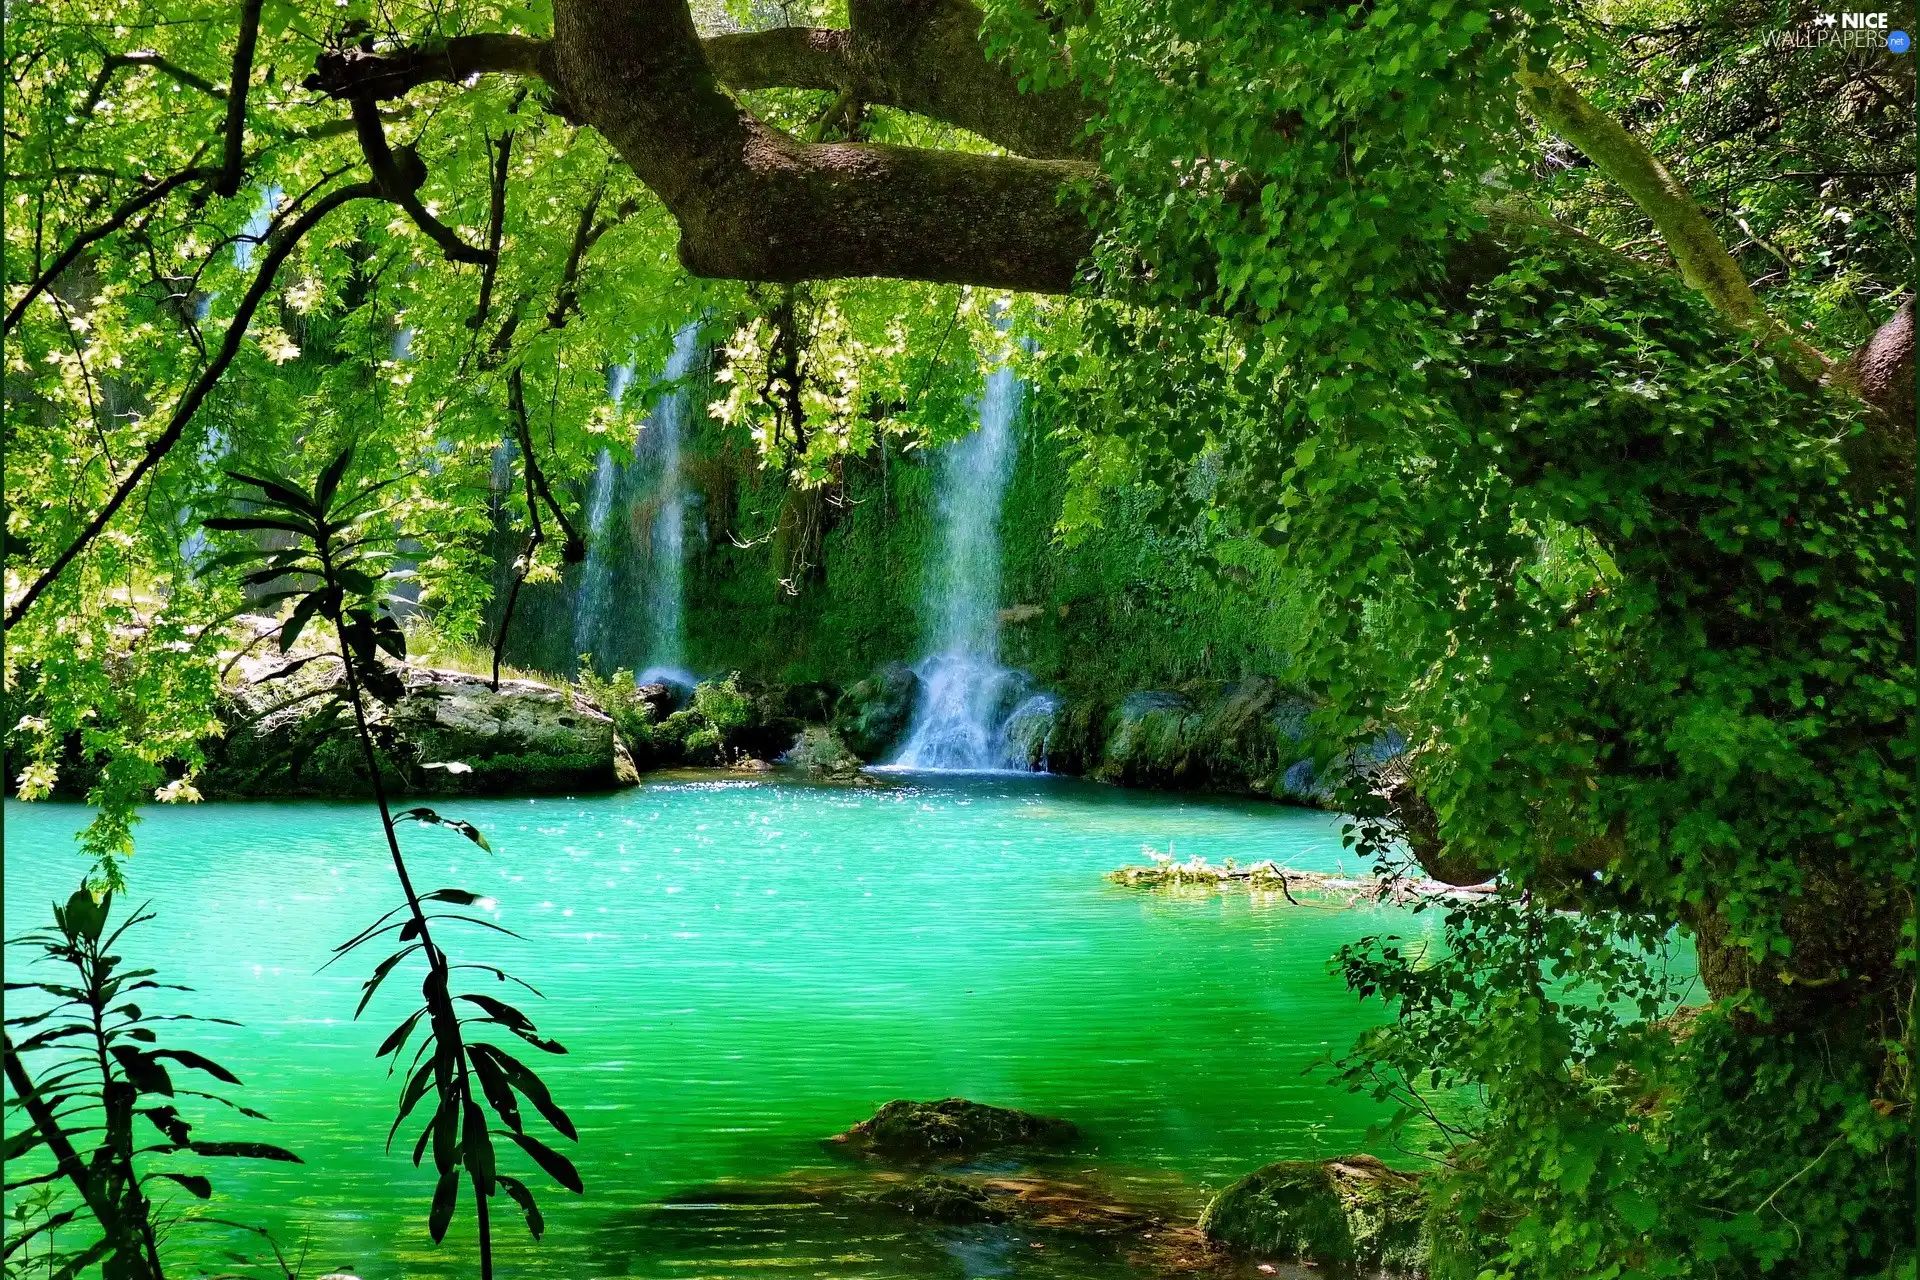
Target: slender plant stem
{"points": [[446, 1023]]}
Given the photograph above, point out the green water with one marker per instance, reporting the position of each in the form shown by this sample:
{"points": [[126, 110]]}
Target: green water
{"points": [[739, 970]]}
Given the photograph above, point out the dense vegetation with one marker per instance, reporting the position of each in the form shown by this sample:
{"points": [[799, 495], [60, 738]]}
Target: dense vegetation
{"points": [[1568, 473]]}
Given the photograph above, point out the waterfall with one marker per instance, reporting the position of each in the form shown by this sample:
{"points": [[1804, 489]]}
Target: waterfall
{"points": [[666, 651], [972, 713], [640, 558], [596, 577]]}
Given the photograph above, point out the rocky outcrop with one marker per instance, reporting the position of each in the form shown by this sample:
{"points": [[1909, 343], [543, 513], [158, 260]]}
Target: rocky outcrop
{"points": [[950, 1128], [1242, 737], [939, 1199], [451, 734], [1342, 1215], [872, 715]]}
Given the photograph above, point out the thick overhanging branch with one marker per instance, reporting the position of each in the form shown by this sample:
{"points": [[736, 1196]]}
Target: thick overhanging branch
{"points": [[399, 178], [756, 204], [924, 56], [1703, 260]]}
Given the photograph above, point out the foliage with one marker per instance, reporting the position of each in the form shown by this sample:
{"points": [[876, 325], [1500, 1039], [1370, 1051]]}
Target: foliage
{"points": [[1646, 625], [338, 562], [98, 1069]]}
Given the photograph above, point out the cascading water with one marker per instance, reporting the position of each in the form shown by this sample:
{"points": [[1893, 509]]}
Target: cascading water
{"points": [[972, 713], [650, 561], [596, 577], [666, 581]]}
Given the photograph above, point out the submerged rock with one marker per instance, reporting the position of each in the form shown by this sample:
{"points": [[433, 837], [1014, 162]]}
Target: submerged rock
{"points": [[451, 734], [951, 1127], [1353, 1212], [871, 716], [939, 1199]]}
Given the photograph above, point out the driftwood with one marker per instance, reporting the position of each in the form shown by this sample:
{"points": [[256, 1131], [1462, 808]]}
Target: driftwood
{"points": [[1319, 887]]}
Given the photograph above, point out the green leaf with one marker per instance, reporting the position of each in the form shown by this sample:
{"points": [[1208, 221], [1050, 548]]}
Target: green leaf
{"points": [[329, 481], [188, 1058]]}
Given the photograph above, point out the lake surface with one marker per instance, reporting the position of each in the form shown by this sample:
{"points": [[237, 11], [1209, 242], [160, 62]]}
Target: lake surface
{"points": [[740, 969]]}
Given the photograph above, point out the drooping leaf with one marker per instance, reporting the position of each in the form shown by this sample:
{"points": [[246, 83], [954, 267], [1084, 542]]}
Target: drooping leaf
{"points": [[142, 1072], [527, 1082], [431, 818], [198, 1185], [493, 1082], [557, 1166], [446, 1193], [476, 1148], [524, 1198], [188, 1058], [410, 1098]]}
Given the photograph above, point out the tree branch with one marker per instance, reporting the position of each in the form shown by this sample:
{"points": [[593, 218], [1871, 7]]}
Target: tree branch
{"points": [[68, 256], [355, 73], [1704, 261], [280, 249], [400, 177], [235, 161], [56, 1138], [575, 548]]}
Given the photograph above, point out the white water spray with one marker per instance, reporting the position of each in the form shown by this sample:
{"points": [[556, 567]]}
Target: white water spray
{"points": [[972, 714]]}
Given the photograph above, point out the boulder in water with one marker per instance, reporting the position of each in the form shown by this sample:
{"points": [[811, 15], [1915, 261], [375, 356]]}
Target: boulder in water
{"points": [[1353, 1212], [871, 716], [939, 1199], [951, 1127]]}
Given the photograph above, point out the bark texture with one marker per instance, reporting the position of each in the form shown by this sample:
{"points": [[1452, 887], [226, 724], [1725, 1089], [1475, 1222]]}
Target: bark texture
{"points": [[755, 204]]}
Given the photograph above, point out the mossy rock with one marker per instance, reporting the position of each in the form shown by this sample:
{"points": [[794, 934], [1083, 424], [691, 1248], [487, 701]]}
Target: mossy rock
{"points": [[451, 734], [950, 1128], [940, 1199], [871, 716], [1349, 1214]]}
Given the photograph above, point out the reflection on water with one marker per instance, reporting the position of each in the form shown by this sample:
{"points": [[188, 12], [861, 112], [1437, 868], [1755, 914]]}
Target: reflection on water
{"points": [[738, 971]]}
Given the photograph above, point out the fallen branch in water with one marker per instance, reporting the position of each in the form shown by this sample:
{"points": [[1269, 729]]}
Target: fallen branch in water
{"points": [[1267, 875]]}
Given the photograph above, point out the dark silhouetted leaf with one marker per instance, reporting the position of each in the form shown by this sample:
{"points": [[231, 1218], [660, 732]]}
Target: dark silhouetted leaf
{"points": [[410, 1098], [201, 1187], [380, 973], [428, 816], [329, 482], [188, 1058], [279, 488], [493, 1082], [397, 1038], [476, 1148], [557, 1166], [168, 1121], [245, 1150], [524, 1198], [142, 1072], [529, 1083], [446, 1193]]}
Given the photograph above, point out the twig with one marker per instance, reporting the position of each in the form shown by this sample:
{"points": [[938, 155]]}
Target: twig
{"points": [[190, 403]]}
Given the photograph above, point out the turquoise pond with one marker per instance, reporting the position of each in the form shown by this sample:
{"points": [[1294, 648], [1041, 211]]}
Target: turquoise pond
{"points": [[740, 969]]}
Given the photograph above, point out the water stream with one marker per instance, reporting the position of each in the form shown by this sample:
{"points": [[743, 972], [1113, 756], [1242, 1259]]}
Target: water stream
{"points": [[636, 541], [971, 713]]}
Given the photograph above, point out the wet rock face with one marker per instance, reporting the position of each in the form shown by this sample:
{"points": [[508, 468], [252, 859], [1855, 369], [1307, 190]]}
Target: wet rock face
{"points": [[1241, 737], [451, 734], [872, 716], [950, 1128], [1349, 1213]]}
